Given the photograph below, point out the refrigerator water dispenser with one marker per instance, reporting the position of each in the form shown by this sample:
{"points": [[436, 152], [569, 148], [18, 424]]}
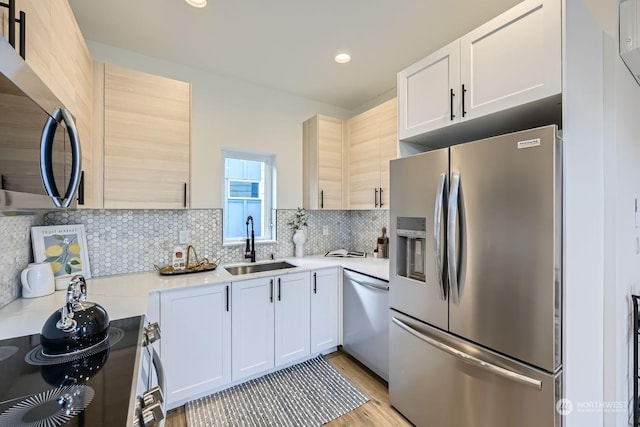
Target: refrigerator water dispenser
{"points": [[412, 234]]}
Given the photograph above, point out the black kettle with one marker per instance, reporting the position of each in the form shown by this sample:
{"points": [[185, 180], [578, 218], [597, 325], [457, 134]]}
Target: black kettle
{"points": [[77, 326]]}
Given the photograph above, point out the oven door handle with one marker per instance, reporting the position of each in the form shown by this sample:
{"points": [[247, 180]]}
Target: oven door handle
{"points": [[157, 364]]}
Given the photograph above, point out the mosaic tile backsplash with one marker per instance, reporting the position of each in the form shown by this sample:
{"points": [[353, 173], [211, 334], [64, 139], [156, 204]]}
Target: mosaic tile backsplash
{"points": [[15, 253], [132, 241]]}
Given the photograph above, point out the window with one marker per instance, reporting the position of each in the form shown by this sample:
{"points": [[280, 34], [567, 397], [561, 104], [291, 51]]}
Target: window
{"points": [[248, 190]]}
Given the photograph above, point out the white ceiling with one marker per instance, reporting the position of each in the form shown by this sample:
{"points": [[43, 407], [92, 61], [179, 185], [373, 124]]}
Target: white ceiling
{"points": [[289, 44]]}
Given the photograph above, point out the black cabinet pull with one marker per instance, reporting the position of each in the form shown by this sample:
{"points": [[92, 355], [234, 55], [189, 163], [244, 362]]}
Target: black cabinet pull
{"points": [[451, 104], [321, 199], [11, 5], [464, 91], [279, 288], [271, 290], [315, 283], [12, 20], [375, 200], [184, 196], [380, 196], [81, 189], [227, 296], [3, 183], [23, 32]]}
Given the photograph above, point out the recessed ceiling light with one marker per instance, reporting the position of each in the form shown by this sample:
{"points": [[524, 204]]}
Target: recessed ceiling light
{"points": [[343, 58], [197, 3]]}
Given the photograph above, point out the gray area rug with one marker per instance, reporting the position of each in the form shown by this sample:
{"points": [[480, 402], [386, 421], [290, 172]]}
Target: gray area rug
{"points": [[308, 394]]}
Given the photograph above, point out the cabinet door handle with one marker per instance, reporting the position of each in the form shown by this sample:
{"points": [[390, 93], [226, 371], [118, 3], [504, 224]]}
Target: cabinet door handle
{"points": [[184, 195], [11, 5], [81, 189], [380, 196], [375, 199], [279, 289], [23, 34], [227, 296], [271, 290], [464, 91], [321, 199], [315, 283], [3, 183], [451, 104]]}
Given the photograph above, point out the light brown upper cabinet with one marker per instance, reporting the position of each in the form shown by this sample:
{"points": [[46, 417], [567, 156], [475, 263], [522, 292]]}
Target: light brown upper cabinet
{"points": [[512, 60], [322, 163], [38, 36], [65, 67], [146, 140], [373, 143]]}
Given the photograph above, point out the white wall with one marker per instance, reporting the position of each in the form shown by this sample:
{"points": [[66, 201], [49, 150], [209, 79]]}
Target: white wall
{"points": [[584, 196], [598, 331], [625, 173], [227, 112]]}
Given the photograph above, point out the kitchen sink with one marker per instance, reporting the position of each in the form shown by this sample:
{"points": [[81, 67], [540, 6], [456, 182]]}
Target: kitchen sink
{"points": [[257, 268]]}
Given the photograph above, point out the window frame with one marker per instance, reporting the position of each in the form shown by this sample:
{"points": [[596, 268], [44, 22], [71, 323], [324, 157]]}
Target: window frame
{"points": [[269, 218]]}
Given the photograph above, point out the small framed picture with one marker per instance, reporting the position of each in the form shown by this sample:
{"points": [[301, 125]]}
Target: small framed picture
{"points": [[64, 247]]}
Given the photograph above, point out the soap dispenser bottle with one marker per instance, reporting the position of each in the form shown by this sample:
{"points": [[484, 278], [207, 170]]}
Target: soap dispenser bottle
{"points": [[383, 244]]}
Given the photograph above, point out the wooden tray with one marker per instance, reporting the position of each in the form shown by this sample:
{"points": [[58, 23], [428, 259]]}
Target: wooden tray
{"points": [[194, 268]]}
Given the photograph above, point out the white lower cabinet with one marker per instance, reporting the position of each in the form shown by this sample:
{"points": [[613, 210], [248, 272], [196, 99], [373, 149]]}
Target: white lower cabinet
{"points": [[324, 309], [196, 340], [270, 322], [252, 318], [218, 335], [292, 317]]}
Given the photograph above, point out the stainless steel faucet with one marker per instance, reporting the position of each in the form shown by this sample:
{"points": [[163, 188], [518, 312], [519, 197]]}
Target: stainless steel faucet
{"points": [[250, 252]]}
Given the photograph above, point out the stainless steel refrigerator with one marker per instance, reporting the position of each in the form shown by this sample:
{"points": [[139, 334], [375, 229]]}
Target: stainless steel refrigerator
{"points": [[475, 283]]}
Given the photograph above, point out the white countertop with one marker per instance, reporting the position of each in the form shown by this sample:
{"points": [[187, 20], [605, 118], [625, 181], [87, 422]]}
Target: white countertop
{"points": [[127, 295]]}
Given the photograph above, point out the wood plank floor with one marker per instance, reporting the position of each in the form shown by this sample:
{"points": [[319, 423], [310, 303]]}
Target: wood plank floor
{"points": [[376, 412]]}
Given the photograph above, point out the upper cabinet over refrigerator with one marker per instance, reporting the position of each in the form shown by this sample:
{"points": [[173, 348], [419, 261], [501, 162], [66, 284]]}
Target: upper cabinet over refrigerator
{"points": [[514, 60]]}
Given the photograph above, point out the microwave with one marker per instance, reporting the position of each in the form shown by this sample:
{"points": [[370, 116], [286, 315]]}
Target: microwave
{"points": [[40, 158]]}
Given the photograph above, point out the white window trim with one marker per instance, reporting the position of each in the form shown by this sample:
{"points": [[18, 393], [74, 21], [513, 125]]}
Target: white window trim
{"points": [[269, 226]]}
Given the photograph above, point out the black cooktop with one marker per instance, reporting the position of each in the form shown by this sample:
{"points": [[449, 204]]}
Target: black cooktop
{"points": [[89, 389]]}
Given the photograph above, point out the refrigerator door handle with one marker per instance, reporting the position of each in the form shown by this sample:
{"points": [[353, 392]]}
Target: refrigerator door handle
{"points": [[452, 247], [437, 226], [471, 360]]}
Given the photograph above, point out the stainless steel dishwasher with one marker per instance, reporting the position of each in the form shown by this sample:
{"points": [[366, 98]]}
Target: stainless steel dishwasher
{"points": [[366, 321]]}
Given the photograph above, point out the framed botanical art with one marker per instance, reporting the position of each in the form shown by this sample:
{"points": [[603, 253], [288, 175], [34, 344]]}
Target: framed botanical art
{"points": [[64, 247]]}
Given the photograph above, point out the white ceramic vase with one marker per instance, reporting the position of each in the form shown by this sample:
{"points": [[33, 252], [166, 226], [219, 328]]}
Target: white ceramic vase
{"points": [[299, 238]]}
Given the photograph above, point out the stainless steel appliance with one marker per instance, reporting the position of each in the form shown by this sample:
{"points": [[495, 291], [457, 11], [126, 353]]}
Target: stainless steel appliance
{"points": [[411, 234], [476, 340], [110, 384], [365, 320], [40, 158]]}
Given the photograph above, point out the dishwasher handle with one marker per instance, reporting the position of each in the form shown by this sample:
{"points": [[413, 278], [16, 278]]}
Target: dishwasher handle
{"points": [[375, 286]]}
